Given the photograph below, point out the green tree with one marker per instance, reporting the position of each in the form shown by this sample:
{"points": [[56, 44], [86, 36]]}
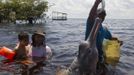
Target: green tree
{"points": [[23, 8], [1, 14]]}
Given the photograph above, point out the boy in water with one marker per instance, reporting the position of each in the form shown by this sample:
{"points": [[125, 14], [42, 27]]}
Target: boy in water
{"points": [[22, 48]]}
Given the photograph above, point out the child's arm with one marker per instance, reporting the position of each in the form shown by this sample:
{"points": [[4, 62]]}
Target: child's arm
{"points": [[29, 50]]}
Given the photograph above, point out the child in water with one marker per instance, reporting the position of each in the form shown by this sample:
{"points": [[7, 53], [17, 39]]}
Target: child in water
{"points": [[22, 47], [40, 52]]}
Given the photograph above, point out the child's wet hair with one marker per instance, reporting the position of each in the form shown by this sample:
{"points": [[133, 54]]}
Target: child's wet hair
{"points": [[23, 36], [33, 40]]}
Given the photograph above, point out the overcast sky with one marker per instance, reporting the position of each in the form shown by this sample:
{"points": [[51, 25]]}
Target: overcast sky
{"points": [[116, 9]]}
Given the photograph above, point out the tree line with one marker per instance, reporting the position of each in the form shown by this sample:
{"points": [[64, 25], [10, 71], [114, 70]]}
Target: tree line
{"points": [[12, 10]]}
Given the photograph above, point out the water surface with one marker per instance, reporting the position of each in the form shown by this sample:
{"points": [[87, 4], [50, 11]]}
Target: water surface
{"points": [[64, 37]]}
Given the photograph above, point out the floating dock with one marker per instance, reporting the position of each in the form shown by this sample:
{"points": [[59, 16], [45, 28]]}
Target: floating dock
{"points": [[59, 15]]}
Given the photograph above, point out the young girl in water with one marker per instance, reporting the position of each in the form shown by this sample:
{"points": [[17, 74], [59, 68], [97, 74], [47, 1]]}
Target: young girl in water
{"points": [[40, 52]]}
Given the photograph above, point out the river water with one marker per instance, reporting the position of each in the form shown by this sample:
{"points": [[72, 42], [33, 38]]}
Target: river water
{"points": [[64, 37]]}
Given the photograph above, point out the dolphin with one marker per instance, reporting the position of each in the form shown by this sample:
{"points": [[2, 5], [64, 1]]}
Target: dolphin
{"points": [[88, 53]]}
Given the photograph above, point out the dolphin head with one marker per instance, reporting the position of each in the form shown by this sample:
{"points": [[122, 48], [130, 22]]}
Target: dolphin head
{"points": [[84, 47], [87, 58]]}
